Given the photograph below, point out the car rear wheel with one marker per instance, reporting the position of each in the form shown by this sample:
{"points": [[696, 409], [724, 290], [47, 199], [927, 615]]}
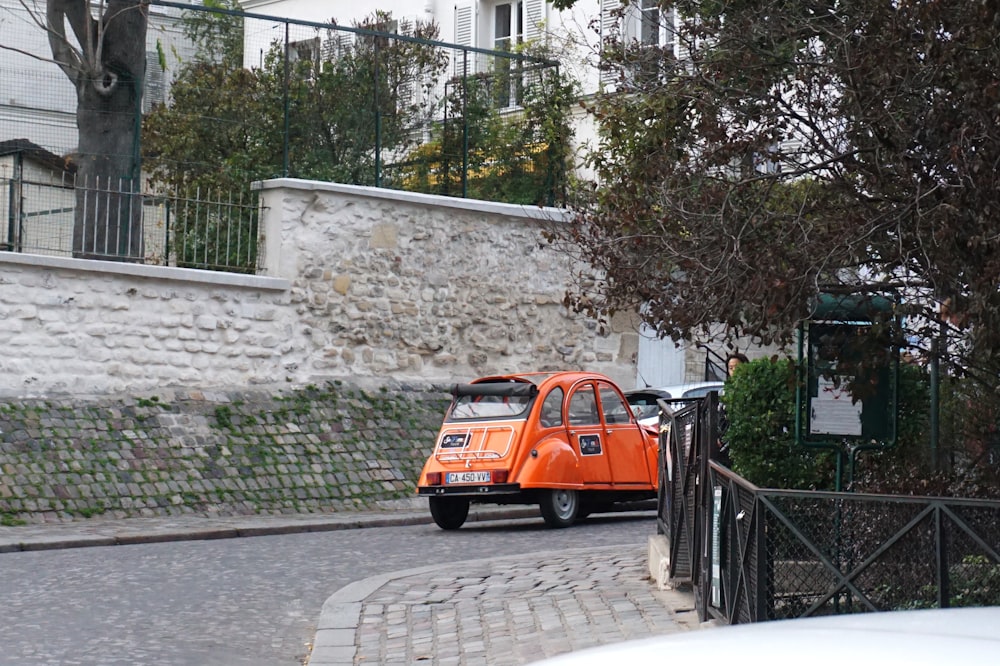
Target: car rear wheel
{"points": [[560, 507], [449, 512]]}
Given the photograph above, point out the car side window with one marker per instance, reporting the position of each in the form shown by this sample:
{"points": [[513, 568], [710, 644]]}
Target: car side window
{"points": [[614, 408], [583, 407], [550, 414]]}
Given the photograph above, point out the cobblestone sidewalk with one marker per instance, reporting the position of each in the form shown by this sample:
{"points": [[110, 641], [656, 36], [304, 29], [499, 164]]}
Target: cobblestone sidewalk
{"points": [[500, 612]]}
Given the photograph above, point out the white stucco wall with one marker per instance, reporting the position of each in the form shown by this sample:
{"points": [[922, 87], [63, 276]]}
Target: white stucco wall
{"points": [[362, 283]]}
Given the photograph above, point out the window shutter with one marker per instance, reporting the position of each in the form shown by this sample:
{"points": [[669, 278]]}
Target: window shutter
{"points": [[465, 35], [609, 19], [610, 29], [329, 49], [534, 18], [336, 45]]}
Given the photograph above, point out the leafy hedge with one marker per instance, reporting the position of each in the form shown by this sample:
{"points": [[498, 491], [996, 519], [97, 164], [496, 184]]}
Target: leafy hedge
{"points": [[759, 403]]}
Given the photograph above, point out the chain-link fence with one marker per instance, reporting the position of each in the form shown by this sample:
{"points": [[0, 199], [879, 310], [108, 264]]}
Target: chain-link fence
{"points": [[229, 97]]}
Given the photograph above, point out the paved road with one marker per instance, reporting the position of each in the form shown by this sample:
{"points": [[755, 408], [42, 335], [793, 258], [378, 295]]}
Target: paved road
{"points": [[235, 601]]}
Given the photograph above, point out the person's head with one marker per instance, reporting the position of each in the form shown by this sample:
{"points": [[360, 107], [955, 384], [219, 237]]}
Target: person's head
{"points": [[734, 360]]}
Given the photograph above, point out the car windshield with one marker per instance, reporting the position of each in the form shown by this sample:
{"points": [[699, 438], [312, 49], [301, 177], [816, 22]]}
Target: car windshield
{"points": [[645, 411], [644, 405], [492, 400]]}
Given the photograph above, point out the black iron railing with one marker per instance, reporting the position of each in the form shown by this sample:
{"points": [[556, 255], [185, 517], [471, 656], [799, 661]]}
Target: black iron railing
{"points": [[191, 228], [753, 554]]}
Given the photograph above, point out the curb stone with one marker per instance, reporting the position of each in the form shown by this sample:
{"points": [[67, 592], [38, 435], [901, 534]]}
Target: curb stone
{"points": [[97, 533]]}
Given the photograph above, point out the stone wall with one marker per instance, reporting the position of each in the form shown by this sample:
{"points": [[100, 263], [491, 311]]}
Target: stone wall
{"points": [[360, 284], [412, 285], [320, 448], [72, 326], [136, 390]]}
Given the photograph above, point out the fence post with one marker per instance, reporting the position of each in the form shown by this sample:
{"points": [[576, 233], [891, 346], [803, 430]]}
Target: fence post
{"points": [[284, 156], [763, 600], [665, 485], [701, 571], [14, 206], [166, 232], [465, 124], [378, 117], [941, 548], [271, 207]]}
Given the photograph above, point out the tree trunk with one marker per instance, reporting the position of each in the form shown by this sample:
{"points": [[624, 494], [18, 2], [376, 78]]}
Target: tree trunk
{"points": [[107, 65]]}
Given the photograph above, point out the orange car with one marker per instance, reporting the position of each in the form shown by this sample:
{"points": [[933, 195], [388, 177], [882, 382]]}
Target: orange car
{"points": [[567, 441]]}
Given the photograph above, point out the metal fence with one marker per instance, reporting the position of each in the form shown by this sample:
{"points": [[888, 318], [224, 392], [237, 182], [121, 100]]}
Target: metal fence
{"points": [[753, 554], [232, 97], [208, 230]]}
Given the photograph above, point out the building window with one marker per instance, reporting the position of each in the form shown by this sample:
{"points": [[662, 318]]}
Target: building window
{"points": [[307, 50], [508, 32], [508, 25], [497, 25], [644, 33], [649, 22]]}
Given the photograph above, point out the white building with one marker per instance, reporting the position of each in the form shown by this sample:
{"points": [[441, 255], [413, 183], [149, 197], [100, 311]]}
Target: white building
{"points": [[573, 36]]}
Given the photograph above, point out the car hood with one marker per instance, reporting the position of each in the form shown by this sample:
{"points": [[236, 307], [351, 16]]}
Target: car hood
{"points": [[967, 636]]}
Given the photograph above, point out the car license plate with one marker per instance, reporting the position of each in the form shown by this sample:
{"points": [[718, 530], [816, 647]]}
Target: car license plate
{"points": [[467, 477]]}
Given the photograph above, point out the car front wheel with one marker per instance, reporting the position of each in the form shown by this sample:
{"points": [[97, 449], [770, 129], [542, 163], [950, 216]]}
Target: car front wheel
{"points": [[449, 512], [560, 507]]}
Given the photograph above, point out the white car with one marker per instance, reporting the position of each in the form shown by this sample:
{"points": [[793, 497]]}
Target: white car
{"points": [[939, 637], [644, 400]]}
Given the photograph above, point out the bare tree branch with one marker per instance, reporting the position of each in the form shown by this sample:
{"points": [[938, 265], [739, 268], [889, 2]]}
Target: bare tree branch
{"points": [[73, 63]]}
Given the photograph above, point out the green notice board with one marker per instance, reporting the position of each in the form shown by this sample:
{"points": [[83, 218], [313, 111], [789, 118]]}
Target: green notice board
{"points": [[851, 366]]}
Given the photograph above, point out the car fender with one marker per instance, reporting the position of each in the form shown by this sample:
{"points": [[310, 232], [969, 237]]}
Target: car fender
{"points": [[653, 455], [551, 462]]}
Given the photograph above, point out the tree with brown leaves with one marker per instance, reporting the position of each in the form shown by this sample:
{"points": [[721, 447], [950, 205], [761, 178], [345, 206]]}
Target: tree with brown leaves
{"points": [[789, 148]]}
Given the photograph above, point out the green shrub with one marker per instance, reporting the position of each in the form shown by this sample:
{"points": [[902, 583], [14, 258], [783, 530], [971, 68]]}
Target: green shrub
{"points": [[760, 407], [759, 402]]}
